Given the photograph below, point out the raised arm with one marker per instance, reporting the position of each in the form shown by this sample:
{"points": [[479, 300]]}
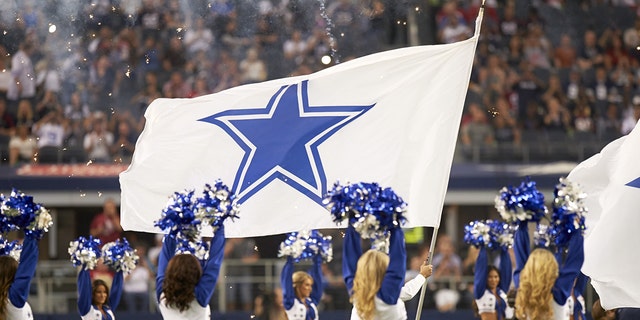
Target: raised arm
{"points": [[351, 252], [394, 277], [505, 270], [210, 273], [522, 249], [286, 282], [480, 273], [316, 274], [569, 271], [19, 289], [116, 290], [84, 292], [167, 252]]}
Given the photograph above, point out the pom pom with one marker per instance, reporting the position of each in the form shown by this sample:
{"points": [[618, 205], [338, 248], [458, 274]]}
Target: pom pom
{"points": [[217, 204], [120, 256], [372, 210], [381, 242], [524, 203], [198, 248], [85, 252], [180, 218], [491, 234], [306, 245], [18, 211], [568, 212], [544, 236], [10, 248], [503, 234]]}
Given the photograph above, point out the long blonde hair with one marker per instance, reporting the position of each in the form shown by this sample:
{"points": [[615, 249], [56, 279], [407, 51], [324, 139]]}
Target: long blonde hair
{"points": [[533, 300], [370, 271], [298, 278]]}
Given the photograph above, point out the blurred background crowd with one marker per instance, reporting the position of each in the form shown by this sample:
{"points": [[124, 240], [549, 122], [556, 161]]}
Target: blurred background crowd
{"points": [[552, 80]]}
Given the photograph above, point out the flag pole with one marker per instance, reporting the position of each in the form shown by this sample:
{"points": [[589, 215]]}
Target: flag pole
{"points": [[429, 259]]}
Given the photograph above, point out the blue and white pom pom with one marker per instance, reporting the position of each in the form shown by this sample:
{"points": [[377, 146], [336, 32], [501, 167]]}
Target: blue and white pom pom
{"points": [[198, 248], [372, 210], [544, 236], [180, 218], [568, 217], [120, 256], [306, 245], [217, 204], [85, 252], [18, 211], [10, 248], [503, 234], [478, 234], [523, 203]]}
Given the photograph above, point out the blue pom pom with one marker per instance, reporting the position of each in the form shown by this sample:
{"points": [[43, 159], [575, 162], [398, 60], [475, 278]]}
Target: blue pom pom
{"points": [[217, 204], [180, 218], [10, 248], [85, 252], [568, 217], [120, 256], [491, 234], [19, 212], [544, 237], [524, 203], [372, 210], [305, 245], [198, 248]]}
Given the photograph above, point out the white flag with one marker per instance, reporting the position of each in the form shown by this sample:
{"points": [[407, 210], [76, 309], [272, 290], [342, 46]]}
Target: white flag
{"points": [[611, 180], [390, 118]]}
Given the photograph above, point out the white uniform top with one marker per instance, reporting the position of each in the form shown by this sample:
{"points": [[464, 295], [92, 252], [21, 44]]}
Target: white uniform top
{"points": [[384, 311], [14, 313], [299, 311], [563, 312], [195, 311], [487, 303], [95, 314]]}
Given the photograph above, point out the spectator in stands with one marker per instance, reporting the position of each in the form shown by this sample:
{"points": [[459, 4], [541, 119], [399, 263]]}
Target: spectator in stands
{"points": [[631, 116], [76, 110], [198, 38], [102, 84], [609, 125], [22, 147], [240, 293], [7, 125], [344, 15], [528, 88], [448, 267], [106, 225], [176, 87], [183, 286], [231, 40], [22, 89], [50, 132], [136, 284], [252, 68], [537, 48], [556, 117], [125, 142], [175, 55], [98, 141], [268, 306], [564, 55], [476, 130], [555, 90], [454, 30], [582, 120]]}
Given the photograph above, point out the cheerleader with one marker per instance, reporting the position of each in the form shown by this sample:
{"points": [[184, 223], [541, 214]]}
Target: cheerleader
{"points": [[301, 290], [95, 301], [490, 286], [183, 286], [15, 279], [373, 279]]}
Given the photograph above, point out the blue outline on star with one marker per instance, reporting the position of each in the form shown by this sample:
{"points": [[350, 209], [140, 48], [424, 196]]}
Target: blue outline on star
{"points": [[281, 141], [635, 183]]}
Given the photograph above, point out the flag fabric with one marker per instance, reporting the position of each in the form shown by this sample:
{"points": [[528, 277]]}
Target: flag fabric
{"points": [[390, 117], [611, 180]]}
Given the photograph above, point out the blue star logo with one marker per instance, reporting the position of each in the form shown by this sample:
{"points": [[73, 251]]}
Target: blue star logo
{"points": [[635, 183], [281, 141]]}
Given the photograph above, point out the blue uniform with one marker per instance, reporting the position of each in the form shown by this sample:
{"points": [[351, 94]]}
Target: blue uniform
{"points": [[204, 289], [294, 307], [18, 308], [486, 301], [387, 300], [85, 297]]}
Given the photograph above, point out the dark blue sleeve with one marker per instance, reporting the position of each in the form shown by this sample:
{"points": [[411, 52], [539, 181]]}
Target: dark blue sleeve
{"points": [[581, 284], [569, 271], [351, 252], [84, 292], [19, 289], [505, 270], [480, 273], [286, 281], [394, 277], [167, 252], [316, 274], [521, 248], [206, 285], [116, 290]]}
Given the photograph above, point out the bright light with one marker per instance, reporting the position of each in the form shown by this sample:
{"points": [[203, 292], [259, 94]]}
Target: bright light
{"points": [[325, 60], [52, 28]]}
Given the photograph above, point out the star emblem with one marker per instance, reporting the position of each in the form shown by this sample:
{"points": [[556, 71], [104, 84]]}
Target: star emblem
{"points": [[635, 183], [280, 141]]}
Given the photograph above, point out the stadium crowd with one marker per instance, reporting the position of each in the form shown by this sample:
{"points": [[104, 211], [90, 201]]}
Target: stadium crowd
{"points": [[75, 79]]}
